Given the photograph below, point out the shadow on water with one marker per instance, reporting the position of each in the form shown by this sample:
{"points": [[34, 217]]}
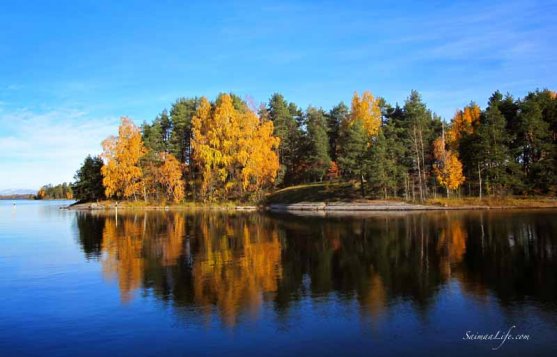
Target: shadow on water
{"points": [[232, 263]]}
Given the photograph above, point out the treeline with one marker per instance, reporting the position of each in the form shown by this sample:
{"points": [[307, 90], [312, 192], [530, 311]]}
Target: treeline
{"points": [[58, 192], [227, 150], [18, 196]]}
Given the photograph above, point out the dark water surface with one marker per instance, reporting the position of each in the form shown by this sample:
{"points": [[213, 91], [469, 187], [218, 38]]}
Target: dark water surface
{"points": [[238, 284]]}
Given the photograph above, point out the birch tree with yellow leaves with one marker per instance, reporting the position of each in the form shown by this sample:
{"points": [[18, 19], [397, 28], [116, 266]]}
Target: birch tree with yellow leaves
{"points": [[169, 176], [447, 168], [366, 109], [121, 173], [234, 151], [464, 122]]}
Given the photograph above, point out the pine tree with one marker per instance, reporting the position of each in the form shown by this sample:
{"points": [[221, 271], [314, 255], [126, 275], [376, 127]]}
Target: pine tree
{"points": [[382, 167], [283, 115], [88, 184], [336, 116], [318, 157], [399, 147], [181, 115], [536, 142], [493, 158], [353, 157], [420, 132]]}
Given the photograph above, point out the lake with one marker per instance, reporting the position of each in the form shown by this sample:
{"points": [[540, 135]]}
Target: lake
{"points": [[239, 284]]}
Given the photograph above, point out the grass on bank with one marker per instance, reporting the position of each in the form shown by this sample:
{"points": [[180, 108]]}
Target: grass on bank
{"points": [[321, 192], [348, 192], [526, 202], [318, 192]]}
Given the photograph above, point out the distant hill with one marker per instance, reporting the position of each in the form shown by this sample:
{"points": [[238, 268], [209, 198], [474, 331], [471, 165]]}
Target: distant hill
{"points": [[17, 194], [17, 191]]}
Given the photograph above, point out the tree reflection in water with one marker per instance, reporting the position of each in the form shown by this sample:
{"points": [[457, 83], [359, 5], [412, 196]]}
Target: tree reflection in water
{"points": [[232, 263]]}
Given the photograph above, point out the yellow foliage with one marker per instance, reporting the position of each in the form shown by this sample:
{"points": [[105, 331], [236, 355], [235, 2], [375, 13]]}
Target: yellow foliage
{"points": [[121, 172], [169, 176], [232, 148], [447, 169], [41, 193], [258, 154], [464, 122], [449, 173], [439, 148], [367, 111]]}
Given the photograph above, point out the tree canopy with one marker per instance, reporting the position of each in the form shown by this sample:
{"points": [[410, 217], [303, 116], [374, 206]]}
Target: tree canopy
{"points": [[225, 150]]}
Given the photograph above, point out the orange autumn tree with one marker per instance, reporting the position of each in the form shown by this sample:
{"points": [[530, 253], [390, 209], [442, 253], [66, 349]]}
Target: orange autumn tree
{"points": [[169, 176], [333, 172], [234, 151], [464, 123], [447, 167], [42, 193], [208, 146], [367, 110], [121, 172], [257, 152]]}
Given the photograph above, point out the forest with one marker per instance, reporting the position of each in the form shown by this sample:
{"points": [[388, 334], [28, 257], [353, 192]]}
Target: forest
{"points": [[231, 150], [62, 191]]}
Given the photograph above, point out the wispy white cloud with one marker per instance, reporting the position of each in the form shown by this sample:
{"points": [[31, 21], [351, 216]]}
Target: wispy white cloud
{"points": [[47, 147]]}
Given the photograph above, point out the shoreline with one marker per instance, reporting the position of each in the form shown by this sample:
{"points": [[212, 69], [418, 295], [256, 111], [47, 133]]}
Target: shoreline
{"points": [[345, 207], [111, 206]]}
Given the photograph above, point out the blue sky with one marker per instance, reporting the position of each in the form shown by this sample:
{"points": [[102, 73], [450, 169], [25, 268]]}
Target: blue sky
{"points": [[70, 69]]}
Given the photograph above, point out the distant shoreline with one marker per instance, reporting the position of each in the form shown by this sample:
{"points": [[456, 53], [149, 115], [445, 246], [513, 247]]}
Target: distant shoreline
{"points": [[31, 198], [17, 197]]}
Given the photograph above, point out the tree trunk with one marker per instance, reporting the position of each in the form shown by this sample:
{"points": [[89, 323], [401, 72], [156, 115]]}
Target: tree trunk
{"points": [[480, 180], [413, 190], [424, 181], [144, 193], [417, 151], [406, 196]]}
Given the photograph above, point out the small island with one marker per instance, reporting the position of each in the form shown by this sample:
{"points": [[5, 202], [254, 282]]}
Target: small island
{"points": [[369, 156]]}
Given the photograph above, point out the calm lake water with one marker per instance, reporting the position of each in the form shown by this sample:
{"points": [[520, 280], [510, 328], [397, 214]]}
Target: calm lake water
{"points": [[238, 284]]}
